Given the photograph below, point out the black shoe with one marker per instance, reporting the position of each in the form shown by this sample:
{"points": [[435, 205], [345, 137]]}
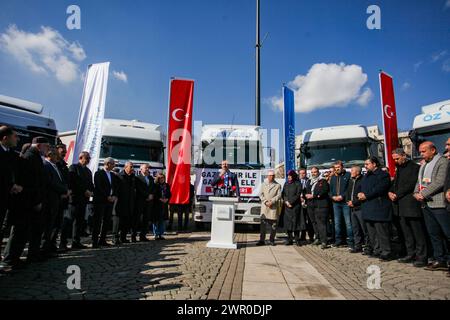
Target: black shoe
{"points": [[437, 266], [77, 245], [289, 243], [387, 257], [143, 239], [95, 246], [260, 243], [62, 248], [355, 250], [324, 246], [419, 264], [103, 243], [162, 238], [407, 259], [298, 243], [15, 265], [316, 242], [367, 253], [133, 239], [374, 255], [36, 258], [272, 243]]}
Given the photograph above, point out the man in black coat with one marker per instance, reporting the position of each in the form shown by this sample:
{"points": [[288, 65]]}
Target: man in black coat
{"points": [[56, 190], [64, 221], [377, 208], [10, 174], [410, 213], [359, 226], [80, 182], [145, 196], [27, 221], [126, 201], [318, 201], [105, 194]]}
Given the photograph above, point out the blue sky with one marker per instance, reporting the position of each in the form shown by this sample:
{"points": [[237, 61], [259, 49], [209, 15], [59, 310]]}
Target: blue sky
{"points": [[212, 42]]}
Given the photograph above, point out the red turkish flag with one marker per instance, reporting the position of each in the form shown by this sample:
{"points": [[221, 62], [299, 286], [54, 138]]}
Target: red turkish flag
{"points": [[179, 140], [389, 119]]}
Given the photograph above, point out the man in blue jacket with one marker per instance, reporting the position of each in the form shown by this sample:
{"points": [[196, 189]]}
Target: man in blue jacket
{"points": [[338, 189]]}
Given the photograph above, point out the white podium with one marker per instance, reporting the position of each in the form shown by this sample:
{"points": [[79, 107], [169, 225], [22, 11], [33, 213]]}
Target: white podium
{"points": [[222, 223]]}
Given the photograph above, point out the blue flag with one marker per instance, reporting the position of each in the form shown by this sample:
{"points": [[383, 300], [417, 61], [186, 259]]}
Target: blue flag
{"points": [[289, 129]]}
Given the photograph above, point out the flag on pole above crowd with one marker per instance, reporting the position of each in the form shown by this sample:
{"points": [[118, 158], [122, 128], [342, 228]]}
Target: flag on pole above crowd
{"points": [[179, 139], [92, 112], [388, 110], [289, 129]]}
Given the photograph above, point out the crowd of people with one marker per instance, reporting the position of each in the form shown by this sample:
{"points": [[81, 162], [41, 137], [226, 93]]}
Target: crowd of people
{"points": [[44, 202], [406, 217]]}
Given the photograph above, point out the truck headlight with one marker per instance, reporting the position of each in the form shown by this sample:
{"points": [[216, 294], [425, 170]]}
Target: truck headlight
{"points": [[255, 211]]}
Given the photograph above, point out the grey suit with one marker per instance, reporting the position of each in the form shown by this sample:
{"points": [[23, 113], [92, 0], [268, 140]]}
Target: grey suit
{"points": [[437, 218]]}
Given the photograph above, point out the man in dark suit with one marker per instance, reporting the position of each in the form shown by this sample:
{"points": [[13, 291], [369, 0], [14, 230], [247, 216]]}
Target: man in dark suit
{"points": [[10, 178], [126, 200], [377, 208], [360, 235], [64, 223], [80, 182], [145, 195], [27, 221], [105, 194], [56, 191], [409, 211], [227, 179]]}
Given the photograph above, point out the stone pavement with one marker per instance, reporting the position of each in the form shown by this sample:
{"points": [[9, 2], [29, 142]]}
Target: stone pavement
{"points": [[280, 273], [182, 267]]}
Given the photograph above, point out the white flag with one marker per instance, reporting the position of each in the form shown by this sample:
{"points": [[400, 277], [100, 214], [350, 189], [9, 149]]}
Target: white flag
{"points": [[92, 111]]}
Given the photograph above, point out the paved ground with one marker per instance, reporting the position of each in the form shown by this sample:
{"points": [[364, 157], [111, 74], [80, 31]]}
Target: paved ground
{"points": [[182, 267]]}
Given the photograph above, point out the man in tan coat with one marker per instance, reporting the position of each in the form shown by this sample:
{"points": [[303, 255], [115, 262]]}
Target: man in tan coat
{"points": [[270, 207]]}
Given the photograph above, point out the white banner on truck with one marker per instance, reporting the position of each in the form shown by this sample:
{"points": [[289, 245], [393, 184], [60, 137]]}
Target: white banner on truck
{"points": [[249, 181], [92, 111]]}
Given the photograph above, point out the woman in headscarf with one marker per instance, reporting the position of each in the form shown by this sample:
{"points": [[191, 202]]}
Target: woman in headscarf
{"points": [[291, 198]]}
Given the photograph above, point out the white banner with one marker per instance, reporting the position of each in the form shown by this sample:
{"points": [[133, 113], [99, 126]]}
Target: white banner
{"points": [[92, 111], [249, 181]]}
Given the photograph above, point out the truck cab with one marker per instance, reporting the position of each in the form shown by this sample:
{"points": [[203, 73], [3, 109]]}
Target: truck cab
{"points": [[242, 146], [352, 144], [433, 124], [127, 140], [27, 120]]}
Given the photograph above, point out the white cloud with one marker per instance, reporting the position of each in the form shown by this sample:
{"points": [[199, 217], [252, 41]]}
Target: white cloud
{"points": [[437, 56], [45, 52], [417, 65], [120, 75], [328, 85], [446, 65], [406, 85], [447, 5]]}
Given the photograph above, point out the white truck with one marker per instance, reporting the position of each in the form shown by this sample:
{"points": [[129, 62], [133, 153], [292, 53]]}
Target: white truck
{"points": [[433, 124], [27, 119], [242, 146], [352, 144], [126, 140]]}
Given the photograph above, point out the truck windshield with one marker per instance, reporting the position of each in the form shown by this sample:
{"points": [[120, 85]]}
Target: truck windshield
{"points": [[326, 155], [132, 149], [239, 153], [437, 137]]}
